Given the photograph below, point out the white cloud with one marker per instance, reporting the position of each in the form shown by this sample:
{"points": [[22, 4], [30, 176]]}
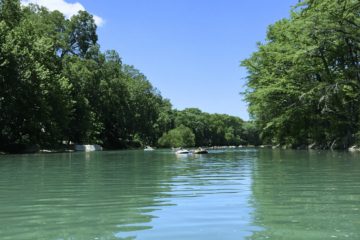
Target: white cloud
{"points": [[68, 9], [99, 21]]}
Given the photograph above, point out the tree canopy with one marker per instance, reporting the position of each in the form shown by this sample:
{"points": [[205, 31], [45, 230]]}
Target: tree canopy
{"points": [[57, 86], [179, 137], [303, 82]]}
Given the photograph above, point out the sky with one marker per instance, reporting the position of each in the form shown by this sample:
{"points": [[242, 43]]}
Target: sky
{"points": [[190, 50]]}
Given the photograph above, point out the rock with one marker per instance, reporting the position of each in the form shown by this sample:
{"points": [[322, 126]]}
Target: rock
{"points": [[354, 148], [312, 146]]}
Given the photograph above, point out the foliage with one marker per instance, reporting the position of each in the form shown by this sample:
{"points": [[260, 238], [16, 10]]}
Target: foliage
{"points": [[57, 86], [179, 137], [211, 129], [303, 82], [34, 99], [72, 36], [251, 133]]}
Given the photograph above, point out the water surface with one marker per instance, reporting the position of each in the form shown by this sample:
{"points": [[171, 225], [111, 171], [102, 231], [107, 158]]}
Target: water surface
{"points": [[243, 193]]}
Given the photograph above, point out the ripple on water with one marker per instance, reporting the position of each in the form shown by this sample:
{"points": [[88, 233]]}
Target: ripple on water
{"points": [[227, 194]]}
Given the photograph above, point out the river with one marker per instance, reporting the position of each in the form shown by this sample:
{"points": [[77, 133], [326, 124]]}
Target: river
{"points": [[243, 193]]}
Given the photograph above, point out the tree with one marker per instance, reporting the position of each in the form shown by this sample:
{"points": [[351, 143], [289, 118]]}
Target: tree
{"points": [[251, 133], [34, 99], [193, 119], [56, 85], [303, 82], [178, 137], [72, 36], [10, 12]]}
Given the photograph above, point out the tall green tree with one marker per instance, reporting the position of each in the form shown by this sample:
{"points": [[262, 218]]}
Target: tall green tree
{"points": [[179, 137], [34, 99], [10, 12], [303, 82], [72, 36]]}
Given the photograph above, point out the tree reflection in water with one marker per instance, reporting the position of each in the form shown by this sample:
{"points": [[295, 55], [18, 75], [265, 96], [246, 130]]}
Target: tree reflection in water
{"points": [[305, 194]]}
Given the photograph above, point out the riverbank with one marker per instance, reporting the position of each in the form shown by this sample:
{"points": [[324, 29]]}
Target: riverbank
{"points": [[63, 148], [314, 146], [88, 148]]}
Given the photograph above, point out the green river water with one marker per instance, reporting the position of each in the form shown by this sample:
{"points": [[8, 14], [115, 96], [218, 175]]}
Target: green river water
{"points": [[243, 193]]}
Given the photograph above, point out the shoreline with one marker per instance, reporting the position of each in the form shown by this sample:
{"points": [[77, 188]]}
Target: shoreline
{"points": [[71, 149], [353, 148], [34, 149]]}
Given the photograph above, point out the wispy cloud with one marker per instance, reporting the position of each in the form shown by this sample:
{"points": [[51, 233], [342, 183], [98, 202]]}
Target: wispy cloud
{"points": [[68, 9]]}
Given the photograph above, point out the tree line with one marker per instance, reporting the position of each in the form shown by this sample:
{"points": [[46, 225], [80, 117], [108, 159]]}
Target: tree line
{"points": [[209, 130], [303, 82], [57, 86]]}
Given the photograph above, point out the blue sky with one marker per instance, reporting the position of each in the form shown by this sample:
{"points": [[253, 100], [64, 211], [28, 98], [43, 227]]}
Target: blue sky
{"points": [[189, 49]]}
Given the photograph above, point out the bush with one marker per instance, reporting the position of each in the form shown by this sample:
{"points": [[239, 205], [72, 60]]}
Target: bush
{"points": [[179, 137]]}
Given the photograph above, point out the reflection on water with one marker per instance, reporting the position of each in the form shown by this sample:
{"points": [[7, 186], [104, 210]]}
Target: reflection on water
{"points": [[226, 194], [306, 195], [77, 196]]}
